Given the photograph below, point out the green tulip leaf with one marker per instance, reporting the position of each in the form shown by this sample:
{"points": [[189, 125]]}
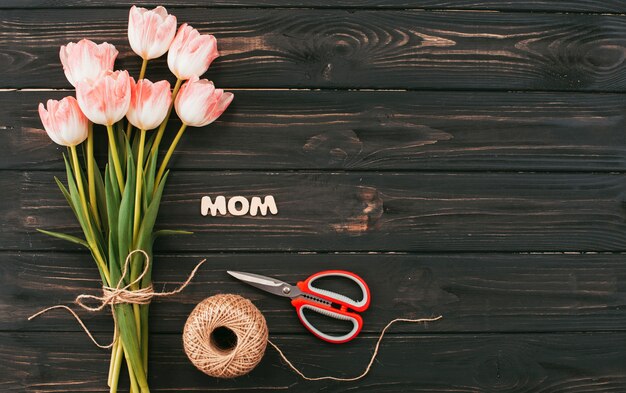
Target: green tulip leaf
{"points": [[64, 236]]}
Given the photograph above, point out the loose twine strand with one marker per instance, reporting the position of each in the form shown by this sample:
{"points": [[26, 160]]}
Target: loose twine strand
{"points": [[369, 365], [118, 295]]}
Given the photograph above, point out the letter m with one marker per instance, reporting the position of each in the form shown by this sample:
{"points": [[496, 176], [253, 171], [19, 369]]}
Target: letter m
{"points": [[218, 207], [268, 203]]}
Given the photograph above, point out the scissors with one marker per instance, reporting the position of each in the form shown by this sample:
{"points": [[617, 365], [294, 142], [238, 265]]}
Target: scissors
{"points": [[305, 296]]}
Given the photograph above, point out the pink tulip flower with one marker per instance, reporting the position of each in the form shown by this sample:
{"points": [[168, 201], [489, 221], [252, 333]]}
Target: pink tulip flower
{"points": [[105, 100], [191, 53], [199, 103], [64, 122], [86, 60], [150, 32], [149, 103]]}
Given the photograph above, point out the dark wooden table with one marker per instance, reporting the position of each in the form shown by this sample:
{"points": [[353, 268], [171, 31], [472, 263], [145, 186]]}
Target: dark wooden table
{"points": [[466, 157]]}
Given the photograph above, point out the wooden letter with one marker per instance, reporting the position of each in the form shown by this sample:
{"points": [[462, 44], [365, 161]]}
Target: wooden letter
{"points": [[257, 205], [232, 206], [218, 206]]}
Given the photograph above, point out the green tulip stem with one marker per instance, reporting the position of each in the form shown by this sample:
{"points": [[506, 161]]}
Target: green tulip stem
{"points": [[161, 130], [90, 176], [134, 387], [112, 362], [79, 182], [137, 220], [116, 159], [89, 233], [129, 130], [168, 155], [116, 364], [144, 65]]}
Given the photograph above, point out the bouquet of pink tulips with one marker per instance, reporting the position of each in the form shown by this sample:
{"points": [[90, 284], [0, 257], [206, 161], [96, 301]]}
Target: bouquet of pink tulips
{"points": [[117, 209]]}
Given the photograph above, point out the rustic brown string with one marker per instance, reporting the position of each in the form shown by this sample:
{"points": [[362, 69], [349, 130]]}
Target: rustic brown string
{"points": [[236, 314], [118, 294], [248, 324], [369, 365]]}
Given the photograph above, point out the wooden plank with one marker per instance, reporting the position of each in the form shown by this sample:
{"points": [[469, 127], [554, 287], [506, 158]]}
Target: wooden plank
{"points": [[367, 130], [531, 5], [429, 363], [474, 292], [347, 49], [325, 211]]}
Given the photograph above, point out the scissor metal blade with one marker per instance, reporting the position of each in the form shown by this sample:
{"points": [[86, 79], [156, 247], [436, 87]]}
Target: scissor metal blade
{"points": [[267, 284]]}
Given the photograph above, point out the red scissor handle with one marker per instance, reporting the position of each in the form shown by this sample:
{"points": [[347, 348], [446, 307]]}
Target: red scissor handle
{"points": [[302, 304], [346, 309], [307, 286]]}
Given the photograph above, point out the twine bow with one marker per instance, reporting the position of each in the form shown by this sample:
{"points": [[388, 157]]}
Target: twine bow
{"points": [[118, 295]]}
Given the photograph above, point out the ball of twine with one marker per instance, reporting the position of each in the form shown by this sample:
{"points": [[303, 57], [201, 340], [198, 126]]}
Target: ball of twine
{"points": [[225, 336]]}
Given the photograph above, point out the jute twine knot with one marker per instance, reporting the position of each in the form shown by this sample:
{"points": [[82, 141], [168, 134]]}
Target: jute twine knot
{"points": [[232, 315], [239, 316], [118, 295]]}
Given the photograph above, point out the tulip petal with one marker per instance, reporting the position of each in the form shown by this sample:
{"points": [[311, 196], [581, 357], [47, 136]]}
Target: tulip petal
{"points": [[106, 99], [64, 122], [150, 32], [191, 53], [199, 103], [149, 104], [86, 60]]}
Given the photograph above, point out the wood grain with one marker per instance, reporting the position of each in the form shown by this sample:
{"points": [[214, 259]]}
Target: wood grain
{"points": [[347, 49], [364, 130], [474, 292], [466, 157], [325, 211], [531, 5], [68, 362]]}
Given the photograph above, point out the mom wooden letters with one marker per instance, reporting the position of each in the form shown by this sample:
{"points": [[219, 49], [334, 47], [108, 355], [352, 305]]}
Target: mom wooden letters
{"points": [[238, 206]]}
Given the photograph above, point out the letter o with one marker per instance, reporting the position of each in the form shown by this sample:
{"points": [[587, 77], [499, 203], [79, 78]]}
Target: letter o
{"points": [[232, 206]]}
